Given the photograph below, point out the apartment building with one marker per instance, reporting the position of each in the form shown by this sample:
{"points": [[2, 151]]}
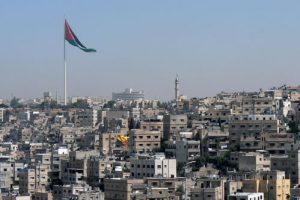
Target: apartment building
{"points": [[153, 125], [251, 125], [86, 118], [273, 184], [2, 114], [289, 163], [208, 189], [253, 105], [141, 141], [173, 124], [33, 179], [109, 143], [274, 143], [97, 169], [246, 196], [253, 161], [152, 166], [121, 189], [42, 196], [183, 150], [128, 95]]}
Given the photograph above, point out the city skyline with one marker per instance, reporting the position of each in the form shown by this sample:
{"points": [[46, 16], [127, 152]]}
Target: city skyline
{"points": [[229, 46]]}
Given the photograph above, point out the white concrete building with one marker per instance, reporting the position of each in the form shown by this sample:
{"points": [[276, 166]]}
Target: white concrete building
{"points": [[246, 196], [155, 166], [128, 95], [2, 111], [87, 118]]}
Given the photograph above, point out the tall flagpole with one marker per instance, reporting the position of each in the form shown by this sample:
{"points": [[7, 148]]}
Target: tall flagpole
{"points": [[65, 64]]}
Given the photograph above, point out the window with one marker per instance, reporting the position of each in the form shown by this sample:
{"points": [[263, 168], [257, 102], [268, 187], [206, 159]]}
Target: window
{"points": [[159, 166]]}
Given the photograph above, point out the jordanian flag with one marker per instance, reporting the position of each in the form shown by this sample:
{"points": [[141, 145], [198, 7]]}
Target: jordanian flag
{"points": [[73, 40]]}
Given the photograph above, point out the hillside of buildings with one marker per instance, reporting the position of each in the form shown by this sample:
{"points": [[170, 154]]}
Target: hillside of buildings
{"points": [[233, 146]]}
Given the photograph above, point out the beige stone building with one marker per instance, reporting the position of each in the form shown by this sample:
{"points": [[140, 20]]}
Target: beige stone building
{"points": [[217, 114], [248, 105], [174, 124], [232, 187], [289, 163], [121, 189], [109, 143], [97, 169], [42, 196], [143, 141], [33, 179], [153, 125], [74, 169], [183, 150], [253, 161], [273, 184], [251, 125], [274, 143], [150, 193], [207, 189]]}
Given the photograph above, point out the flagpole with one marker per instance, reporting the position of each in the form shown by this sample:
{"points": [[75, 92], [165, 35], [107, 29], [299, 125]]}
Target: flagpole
{"points": [[65, 65]]}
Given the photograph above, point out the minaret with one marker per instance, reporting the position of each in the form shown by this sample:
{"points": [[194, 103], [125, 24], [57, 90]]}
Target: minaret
{"points": [[176, 88]]}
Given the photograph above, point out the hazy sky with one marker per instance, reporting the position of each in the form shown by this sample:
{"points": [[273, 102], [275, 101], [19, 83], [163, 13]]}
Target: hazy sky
{"points": [[212, 46]]}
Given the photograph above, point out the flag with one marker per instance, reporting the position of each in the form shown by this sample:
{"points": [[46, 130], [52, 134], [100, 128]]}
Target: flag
{"points": [[73, 40], [123, 139]]}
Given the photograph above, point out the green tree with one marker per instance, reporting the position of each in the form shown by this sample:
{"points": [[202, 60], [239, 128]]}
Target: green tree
{"points": [[109, 104], [15, 103], [293, 127], [81, 103]]}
